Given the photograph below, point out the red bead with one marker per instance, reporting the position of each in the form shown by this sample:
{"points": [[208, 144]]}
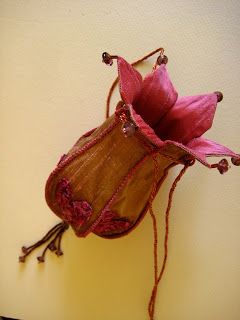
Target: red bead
{"points": [[128, 129], [219, 96], [24, 249], [223, 166], [106, 58], [162, 60], [40, 259], [52, 247], [235, 161], [21, 259], [59, 253]]}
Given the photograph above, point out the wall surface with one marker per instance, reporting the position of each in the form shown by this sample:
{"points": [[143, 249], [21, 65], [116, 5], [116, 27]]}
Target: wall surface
{"points": [[53, 87]]}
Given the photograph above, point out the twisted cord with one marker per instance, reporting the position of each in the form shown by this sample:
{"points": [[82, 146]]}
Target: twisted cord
{"points": [[157, 278]]}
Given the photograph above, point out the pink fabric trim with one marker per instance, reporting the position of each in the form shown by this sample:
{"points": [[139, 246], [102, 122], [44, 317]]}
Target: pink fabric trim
{"points": [[130, 80]]}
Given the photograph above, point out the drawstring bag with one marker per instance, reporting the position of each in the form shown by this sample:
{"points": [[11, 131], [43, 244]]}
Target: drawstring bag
{"points": [[107, 181]]}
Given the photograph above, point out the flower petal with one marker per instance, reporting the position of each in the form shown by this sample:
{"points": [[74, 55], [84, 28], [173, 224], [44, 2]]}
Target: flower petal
{"points": [[198, 149], [157, 96], [189, 118], [210, 148], [130, 81], [174, 148]]}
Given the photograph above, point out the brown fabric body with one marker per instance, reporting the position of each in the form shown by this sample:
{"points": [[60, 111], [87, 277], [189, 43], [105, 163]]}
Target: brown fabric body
{"points": [[114, 174]]}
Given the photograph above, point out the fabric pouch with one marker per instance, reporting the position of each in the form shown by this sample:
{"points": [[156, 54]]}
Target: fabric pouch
{"points": [[107, 181]]}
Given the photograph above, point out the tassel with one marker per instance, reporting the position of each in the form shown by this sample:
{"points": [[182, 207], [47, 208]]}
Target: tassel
{"points": [[53, 237]]}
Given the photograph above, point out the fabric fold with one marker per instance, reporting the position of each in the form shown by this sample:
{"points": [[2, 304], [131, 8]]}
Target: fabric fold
{"points": [[210, 148], [156, 97], [189, 118], [130, 81]]}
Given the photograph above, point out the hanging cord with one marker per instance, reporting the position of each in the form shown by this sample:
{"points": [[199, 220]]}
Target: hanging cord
{"points": [[157, 278], [53, 237], [154, 220], [108, 60]]}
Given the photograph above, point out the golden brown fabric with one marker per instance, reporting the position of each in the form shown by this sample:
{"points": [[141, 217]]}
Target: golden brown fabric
{"points": [[105, 164]]}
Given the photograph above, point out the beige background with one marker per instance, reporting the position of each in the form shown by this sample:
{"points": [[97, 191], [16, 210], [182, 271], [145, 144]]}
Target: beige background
{"points": [[52, 89]]}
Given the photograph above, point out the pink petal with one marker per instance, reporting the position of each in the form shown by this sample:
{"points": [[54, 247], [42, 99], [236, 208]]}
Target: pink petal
{"points": [[210, 148], [157, 96], [130, 81], [189, 118], [199, 149], [179, 149]]}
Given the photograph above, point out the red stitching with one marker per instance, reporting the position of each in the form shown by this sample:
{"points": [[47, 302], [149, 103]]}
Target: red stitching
{"points": [[86, 147], [118, 189]]}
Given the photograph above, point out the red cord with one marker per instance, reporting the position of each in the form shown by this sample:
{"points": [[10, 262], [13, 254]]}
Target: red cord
{"points": [[157, 278]]}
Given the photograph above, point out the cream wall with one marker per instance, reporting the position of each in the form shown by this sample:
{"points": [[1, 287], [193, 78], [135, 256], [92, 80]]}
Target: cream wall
{"points": [[52, 89]]}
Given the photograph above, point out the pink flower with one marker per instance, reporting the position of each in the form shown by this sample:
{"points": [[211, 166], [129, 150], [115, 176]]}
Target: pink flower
{"points": [[169, 119]]}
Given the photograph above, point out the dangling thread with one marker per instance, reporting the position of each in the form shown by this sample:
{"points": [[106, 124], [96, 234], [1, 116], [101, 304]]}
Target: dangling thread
{"points": [[53, 237], [157, 278], [116, 80]]}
